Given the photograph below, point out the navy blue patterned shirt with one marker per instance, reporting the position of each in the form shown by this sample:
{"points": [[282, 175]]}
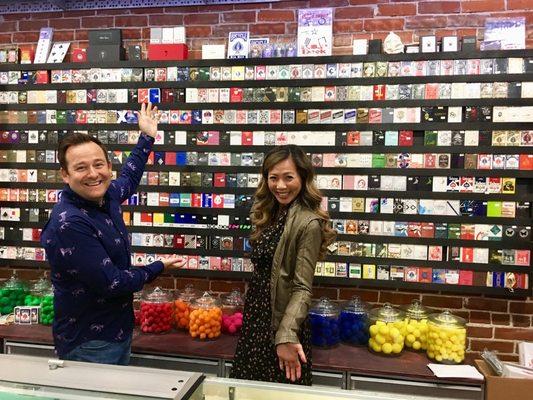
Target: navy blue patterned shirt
{"points": [[89, 253]]}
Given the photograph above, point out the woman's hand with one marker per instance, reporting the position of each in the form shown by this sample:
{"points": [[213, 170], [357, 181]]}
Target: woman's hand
{"points": [[289, 355], [148, 119], [174, 262]]}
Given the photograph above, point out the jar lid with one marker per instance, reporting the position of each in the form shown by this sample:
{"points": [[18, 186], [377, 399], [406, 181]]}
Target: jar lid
{"points": [[14, 283], [41, 286], [416, 310], [448, 319], [188, 294], [387, 313], [157, 295], [325, 307], [234, 298], [356, 305], [205, 301]]}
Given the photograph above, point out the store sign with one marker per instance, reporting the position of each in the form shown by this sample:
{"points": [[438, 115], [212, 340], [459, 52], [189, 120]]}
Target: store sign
{"points": [[315, 32]]}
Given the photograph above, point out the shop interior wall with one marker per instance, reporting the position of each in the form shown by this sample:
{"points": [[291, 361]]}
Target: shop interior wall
{"points": [[493, 323]]}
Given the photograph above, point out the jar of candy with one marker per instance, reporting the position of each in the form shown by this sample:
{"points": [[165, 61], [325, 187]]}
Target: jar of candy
{"points": [[416, 326], [446, 339], [12, 293], [205, 319], [353, 324], [387, 330], [324, 320], [232, 308], [182, 305], [47, 306], [35, 295], [137, 297], [156, 312]]}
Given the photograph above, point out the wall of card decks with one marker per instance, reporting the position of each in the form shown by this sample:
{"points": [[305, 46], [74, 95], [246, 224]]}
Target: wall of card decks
{"points": [[425, 160]]}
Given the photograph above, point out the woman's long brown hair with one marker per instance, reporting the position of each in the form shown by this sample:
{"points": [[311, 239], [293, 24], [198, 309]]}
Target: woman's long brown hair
{"points": [[266, 206]]}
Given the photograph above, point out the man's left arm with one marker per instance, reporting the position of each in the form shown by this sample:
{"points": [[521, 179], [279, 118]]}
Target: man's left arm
{"points": [[133, 169]]}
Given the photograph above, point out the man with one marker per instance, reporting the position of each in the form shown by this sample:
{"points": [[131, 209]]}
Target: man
{"points": [[87, 245]]}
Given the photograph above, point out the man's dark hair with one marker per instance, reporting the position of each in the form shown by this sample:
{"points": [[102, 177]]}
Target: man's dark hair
{"points": [[75, 139]]}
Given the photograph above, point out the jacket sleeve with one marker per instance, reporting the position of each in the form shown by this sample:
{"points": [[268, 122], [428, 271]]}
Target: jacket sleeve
{"points": [[79, 253], [132, 170], [307, 251]]}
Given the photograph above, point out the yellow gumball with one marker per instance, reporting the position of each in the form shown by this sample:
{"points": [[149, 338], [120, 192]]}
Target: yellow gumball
{"points": [[387, 348], [396, 348]]}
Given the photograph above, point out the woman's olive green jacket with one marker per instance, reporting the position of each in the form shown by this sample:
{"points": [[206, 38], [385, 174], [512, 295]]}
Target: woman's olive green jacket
{"points": [[293, 269]]}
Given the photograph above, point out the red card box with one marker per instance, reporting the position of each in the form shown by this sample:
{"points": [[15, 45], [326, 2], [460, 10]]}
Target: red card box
{"points": [[158, 52], [78, 55]]}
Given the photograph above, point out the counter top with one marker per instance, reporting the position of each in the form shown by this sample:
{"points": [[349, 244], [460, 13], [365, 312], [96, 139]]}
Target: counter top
{"points": [[356, 360]]}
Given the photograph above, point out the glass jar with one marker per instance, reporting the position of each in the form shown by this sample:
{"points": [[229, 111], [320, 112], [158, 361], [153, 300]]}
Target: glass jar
{"points": [[387, 330], [352, 322], [446, 340], [324, 320], [205, 319], [156, 312], [232, 308], [47, 306], [12, 293], [37, 290], [182, 306], [137, 297], [416, 326]]}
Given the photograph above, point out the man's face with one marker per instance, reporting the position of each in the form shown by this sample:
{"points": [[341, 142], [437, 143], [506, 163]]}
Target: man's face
{"points": [[88, 172]]}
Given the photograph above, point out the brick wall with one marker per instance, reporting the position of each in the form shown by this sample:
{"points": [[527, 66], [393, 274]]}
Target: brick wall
{"points": [[493, 323]]}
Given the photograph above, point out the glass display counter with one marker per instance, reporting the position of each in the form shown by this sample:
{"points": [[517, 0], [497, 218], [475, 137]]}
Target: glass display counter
{"points": [[40, 378]]}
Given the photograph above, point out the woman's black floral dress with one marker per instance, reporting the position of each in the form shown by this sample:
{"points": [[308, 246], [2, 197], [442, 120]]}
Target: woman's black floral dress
{"points": [[255, 357]]}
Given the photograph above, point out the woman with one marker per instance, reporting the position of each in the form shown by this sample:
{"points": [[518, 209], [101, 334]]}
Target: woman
{"points": [[290, 234]]}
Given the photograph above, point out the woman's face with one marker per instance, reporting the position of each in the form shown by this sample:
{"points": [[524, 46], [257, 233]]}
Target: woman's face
{"points": [[284, 182]]}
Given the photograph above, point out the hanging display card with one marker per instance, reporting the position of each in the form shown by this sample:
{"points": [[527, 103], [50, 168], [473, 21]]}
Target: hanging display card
{"points": [[315, 32]]}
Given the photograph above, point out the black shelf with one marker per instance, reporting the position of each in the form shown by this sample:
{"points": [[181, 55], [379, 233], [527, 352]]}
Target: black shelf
{"points": [[287, 127], [276, 105]]}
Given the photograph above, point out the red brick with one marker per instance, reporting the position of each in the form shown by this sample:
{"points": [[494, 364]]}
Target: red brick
{"points": [[165, 282], [267, 29], [384, 24], [397, 298], [226, 286], [195, 54], [80, 13], [342, 40], [46, 15], [521, 307], [370, 296], [165, 20], [329, 292], [133, 20], [131, 33], [328, 3], [201, 19], [501, 319], [495, 345], [396, 9], [486, 304], [346, 26], [342, 51], [16, 17], [439, 7], [97, 22], [218, 8], [276, 16], [25, 37], [359, 2], [442, 301], [146, 11], [519, 4], [64, 36], [6, 38], [110, 11], [514, 334], [479, 332], [258, 6], [468, 32], [198, 284], [465, 20], [32, 25], [479, 317], [239, 17], [82, 35], [425, 22], [198, 31], [286, 4], [482, 6], [291, 28], [521, 321], [353, 13], [224, 30], [64, 23]]}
